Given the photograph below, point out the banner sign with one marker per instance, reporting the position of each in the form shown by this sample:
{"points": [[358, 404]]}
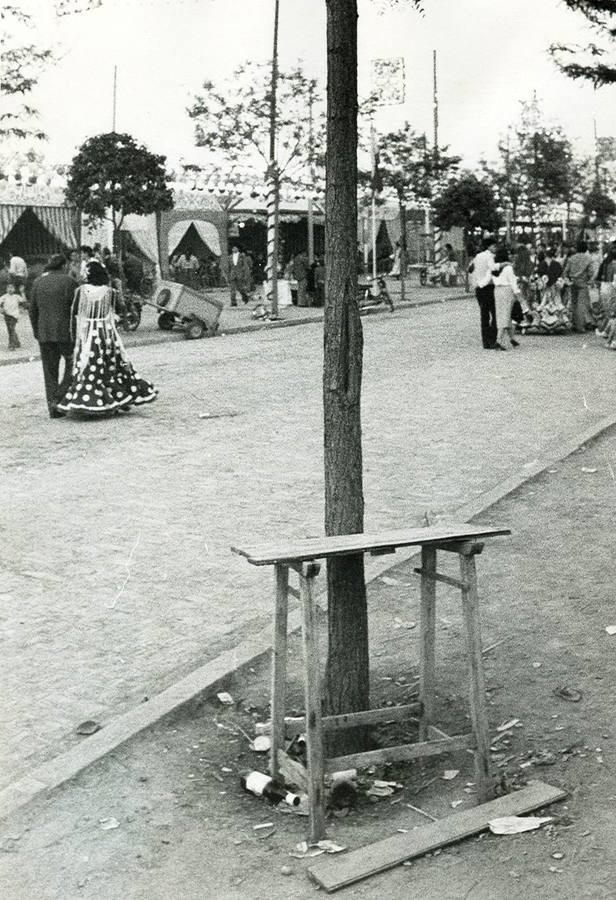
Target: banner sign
{"points": [[388, 85]]}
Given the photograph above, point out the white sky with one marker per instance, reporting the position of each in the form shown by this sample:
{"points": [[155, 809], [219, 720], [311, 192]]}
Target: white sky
{"points": [[491, 55]]}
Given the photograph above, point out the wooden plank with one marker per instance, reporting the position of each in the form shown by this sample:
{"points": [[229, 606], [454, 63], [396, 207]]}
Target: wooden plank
{"points": [[354, 720], [348, 868], [293, 772], [479, 715], [402, 752], [345, 544], [314, 733], [427, 638], [279, 664], [442, 579]]}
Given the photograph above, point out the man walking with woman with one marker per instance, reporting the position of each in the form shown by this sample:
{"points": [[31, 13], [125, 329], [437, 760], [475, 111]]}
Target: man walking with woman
{"points": [[483, 265]]}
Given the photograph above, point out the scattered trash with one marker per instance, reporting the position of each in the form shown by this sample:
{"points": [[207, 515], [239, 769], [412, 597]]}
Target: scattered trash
{"points": [[304, 849], [262, 826], [383, 788], [517, 824], [571, 695], [225, 698], [588, 471], [421, 812], [109, 824], [456, 803], [88, 727], [263, 728], [286, 870], [262, 785], [507, 725], [261, 744], [226, 769], [450, 774], [558, 855], [611, 629]]}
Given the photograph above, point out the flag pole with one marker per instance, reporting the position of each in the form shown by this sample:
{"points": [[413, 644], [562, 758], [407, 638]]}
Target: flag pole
{"points": [[373, 144]]}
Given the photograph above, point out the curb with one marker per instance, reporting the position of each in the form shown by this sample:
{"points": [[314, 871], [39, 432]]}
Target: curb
{"points": [[195, 687], [151, 339]]}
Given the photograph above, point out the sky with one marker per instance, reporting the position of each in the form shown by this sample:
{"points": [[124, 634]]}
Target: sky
{"points": [[491, 55]]}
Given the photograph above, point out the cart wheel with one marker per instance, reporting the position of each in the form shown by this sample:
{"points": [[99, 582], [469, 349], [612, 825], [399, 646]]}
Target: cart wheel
{"points": [[166, 321], [194, 330]]}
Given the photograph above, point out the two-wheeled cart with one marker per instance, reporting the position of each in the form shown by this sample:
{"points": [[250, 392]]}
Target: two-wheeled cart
{"points": [[183, 307]]}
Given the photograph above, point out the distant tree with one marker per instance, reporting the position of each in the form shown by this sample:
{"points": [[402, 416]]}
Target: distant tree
{"points": [[468, 203], [590, 62], [21, 65], [412, 171], [113, 176], [599, 208]]}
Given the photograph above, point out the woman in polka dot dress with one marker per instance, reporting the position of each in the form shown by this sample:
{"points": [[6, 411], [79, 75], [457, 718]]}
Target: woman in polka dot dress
{"points": [[104, 380]]}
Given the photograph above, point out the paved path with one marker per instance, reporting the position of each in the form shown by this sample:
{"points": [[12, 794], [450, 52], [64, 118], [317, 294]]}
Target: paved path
{"points": [[232, 320], [116, 575]]}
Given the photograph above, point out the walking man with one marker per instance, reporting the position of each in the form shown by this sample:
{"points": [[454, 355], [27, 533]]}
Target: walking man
{"points": [[50, 313], [239, 276], [301, 267], [484, 291], [580, 271]]}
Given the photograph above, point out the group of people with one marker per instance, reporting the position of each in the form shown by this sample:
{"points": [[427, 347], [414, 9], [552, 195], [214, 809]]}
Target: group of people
{"points": [[72, 310], [244, 278], [544, 291]]}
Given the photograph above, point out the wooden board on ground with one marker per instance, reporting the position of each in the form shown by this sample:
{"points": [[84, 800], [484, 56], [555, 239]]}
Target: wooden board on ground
{"points": [[344, 544], [348, 868]]}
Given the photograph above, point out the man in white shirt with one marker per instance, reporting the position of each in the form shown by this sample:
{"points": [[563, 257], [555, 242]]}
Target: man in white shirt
{"points": [[484, 291]]}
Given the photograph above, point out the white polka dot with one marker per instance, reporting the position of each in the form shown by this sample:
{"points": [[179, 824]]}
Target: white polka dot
{"points": [[86, 396], [99, 402]]}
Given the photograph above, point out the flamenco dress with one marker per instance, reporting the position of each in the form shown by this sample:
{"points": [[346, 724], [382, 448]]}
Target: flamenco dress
{"points": [[103, 378]]}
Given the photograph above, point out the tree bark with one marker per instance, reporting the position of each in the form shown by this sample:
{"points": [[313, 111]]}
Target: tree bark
{"points": [[347, 671], [402, 206]]}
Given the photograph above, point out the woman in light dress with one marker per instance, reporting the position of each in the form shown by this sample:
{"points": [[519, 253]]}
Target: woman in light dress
{"points": [[506, 290], [104, 381]]}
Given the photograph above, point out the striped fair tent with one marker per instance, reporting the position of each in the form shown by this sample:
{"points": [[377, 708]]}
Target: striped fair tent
{"points": [[33, 230]]}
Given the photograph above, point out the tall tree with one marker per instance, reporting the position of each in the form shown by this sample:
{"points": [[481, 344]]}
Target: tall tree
{"points": [[113, 176], [21, 65], [347, 685], [347, 679], [592, 62]]}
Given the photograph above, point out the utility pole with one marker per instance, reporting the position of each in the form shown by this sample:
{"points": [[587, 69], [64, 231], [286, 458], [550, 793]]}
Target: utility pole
{"points": [[437, 231], [311, 166], [115, 98], [273, 194]]}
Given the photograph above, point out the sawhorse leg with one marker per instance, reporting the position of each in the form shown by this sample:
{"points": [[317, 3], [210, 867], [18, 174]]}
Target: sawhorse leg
{"points": [[427, 637], [279, 665], [312, 686], [479, 717]]}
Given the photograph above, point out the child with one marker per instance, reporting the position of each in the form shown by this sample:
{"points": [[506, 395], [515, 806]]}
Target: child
{"points": [[9, 306]]}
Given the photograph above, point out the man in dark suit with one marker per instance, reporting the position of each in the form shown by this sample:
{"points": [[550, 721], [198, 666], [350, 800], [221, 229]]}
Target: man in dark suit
{"points": [[51, 303], [239, 276]]}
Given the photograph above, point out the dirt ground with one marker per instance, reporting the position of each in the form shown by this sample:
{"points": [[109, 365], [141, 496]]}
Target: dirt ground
{"points": [[185, 828]]}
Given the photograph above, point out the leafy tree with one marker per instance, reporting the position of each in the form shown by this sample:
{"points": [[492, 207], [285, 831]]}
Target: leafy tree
{"points": [[412, 171], [589, 62], [469, 203], [22, 63], [599, 208], [113, 176]]}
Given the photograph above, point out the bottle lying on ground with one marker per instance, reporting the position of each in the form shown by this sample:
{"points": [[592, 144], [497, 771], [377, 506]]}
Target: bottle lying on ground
{"points": [[264, 786]]}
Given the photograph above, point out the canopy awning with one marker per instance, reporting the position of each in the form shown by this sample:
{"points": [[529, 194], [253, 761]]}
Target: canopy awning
{"points": [[56, 219], [207, 231]]}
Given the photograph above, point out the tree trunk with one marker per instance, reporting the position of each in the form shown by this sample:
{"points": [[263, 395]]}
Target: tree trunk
{"points": [[347, 671]]}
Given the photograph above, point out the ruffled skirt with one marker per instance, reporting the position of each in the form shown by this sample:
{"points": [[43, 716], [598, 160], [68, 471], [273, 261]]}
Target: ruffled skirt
{"points": [[103, 378]]}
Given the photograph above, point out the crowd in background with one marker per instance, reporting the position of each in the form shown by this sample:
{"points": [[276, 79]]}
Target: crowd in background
{"points": [[549, 290]]}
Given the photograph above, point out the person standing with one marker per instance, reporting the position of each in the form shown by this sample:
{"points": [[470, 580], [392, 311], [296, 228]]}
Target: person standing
{"points": [[103, 379], [505, 291], [484, 291], [301, 267], [19, 273], [579, 271], [50, 313], [9, 307], [239, 276]]}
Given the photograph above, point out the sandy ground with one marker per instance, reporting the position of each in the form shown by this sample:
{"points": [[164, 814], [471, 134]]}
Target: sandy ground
{"points": [[185, 829]]}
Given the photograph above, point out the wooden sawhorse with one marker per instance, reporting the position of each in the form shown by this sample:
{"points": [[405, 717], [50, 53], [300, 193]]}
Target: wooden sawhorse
{"points": [[300, 556]]}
